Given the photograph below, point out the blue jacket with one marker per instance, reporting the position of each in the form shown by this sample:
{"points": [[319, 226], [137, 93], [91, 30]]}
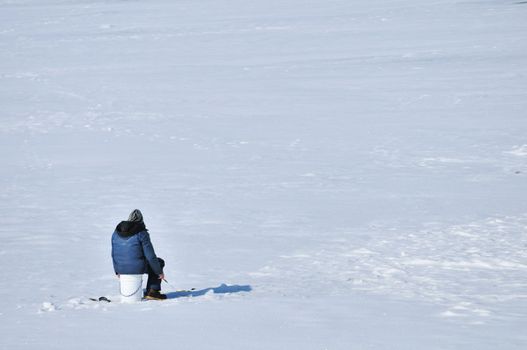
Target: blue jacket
{"points": [[132, 250]]}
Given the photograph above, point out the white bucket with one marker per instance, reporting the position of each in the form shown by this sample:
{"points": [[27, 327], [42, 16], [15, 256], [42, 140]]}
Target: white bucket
{"points": [[131, 288]]}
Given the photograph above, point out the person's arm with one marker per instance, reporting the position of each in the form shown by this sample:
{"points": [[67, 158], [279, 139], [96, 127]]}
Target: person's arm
{"points": [[150, 255], [113, 261]]}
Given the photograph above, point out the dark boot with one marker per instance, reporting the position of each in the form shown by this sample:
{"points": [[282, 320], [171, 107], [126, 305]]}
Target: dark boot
{"points": [[153, 294]]}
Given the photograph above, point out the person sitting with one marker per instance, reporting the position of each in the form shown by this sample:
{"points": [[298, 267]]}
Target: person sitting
{"points": [[133, 254]]}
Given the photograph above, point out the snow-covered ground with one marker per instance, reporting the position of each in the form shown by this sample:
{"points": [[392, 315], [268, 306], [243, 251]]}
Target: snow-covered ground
{"points": [[331, 174]]}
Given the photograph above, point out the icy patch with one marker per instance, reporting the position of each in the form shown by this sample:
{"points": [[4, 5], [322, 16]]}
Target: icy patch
{"points": [[468, 269], [47, 306], [435, 162], [81, 303], [520, 151], [77, 303], [465, 309]]}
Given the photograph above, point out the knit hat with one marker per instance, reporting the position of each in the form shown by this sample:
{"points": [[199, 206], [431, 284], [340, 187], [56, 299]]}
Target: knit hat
{"points": [[136, 216]]}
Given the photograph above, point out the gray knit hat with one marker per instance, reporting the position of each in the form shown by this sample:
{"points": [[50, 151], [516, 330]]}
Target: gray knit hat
{"points": [[136, 216]]}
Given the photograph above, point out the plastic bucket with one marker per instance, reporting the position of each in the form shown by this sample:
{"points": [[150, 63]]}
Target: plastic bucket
{"points": [[131, 288]]}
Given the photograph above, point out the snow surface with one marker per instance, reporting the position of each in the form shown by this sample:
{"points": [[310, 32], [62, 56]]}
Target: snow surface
{"points": [[328, 174]]}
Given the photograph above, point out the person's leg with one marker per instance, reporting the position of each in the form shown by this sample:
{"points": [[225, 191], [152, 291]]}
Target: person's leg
{"points": [[153, 279]]}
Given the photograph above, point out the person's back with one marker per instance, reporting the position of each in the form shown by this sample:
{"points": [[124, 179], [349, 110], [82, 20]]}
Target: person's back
{"points": [[133, 254]]}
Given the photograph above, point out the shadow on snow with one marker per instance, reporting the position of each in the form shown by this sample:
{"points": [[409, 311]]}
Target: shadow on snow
{"points": [[222, 289]]}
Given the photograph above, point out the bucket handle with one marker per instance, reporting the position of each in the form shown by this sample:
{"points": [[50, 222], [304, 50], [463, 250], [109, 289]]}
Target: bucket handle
{"points": [[127, 296]]}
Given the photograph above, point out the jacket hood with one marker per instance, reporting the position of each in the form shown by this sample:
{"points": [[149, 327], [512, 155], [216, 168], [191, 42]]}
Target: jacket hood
{"points": [[130, 228]]}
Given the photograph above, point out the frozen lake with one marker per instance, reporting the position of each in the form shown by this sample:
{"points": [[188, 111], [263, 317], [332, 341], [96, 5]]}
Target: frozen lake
{"points": [[327, 174]]}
